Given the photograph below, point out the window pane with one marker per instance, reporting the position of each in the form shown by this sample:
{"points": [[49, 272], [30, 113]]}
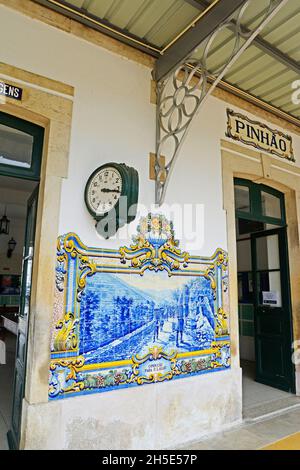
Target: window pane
{"points": [[267, 252], [246, 227], [245, 288], [242, 198], [271, 206], [244, 261], [15, 147]]}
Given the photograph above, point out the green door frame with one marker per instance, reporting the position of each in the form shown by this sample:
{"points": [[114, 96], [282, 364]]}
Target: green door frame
{"points": [[33, 174], [255, 200], [255, 213]]}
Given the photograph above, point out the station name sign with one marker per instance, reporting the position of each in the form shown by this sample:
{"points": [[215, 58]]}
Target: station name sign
{"points": [[11, 91], [259, 135]]}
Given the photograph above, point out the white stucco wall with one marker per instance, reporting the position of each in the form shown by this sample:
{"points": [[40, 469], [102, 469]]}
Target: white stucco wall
{"points": [[113, 120]]}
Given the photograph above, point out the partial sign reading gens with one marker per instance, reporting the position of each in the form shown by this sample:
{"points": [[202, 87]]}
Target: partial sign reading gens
{"points": [[10, 91]]}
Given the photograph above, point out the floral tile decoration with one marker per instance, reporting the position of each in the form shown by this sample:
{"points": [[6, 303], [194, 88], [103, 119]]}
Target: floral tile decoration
{"points": [[142, 314]]}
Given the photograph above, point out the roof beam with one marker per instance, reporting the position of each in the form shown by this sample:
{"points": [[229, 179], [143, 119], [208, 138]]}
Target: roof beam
{"points": [[259, 42], [186, 44]]}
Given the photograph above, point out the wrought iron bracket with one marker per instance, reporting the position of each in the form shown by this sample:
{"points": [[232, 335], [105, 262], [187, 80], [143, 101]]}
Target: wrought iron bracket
{"points": [[185, 87]]}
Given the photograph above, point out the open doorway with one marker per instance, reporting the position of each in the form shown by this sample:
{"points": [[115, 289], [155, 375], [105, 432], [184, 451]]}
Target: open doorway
{"points": [[265, 317], [20, 160], [14, 194]]}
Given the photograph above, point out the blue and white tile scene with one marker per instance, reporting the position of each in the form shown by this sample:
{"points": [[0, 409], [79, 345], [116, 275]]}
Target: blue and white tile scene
{"points": [[138, 315]]}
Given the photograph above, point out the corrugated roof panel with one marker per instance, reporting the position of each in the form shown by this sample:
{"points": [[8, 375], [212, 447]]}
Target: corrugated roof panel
{"points": [[101, 8], [279, 86], [147, 18], [253, 13], [285, 98], [129, 12], [156, 21], [77, 3], [256, 73], [221, 47], [141, 11], [295, 53], [222, 54], [162, 31], [286, 91], [271, 82], [285, 29], [290, 46], [293, 109], [289, 11], [182, 15], [114, 10], [173, 27], [104, 8], [260, 73], [247, 58]]}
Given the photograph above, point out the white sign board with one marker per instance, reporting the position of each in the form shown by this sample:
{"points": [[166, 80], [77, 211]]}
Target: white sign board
{"points": [[259, 135]]}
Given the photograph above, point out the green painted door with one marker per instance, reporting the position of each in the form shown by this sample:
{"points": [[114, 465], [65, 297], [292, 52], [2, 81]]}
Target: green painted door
{"points": [[273, 324], [21, 352]]}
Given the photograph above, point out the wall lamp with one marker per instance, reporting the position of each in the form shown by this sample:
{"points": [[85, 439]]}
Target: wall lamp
{"points": [[11, 246], [4, 224]]}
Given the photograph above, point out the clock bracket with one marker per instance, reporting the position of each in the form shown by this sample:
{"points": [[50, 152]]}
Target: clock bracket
{"points": [[184, 79]]}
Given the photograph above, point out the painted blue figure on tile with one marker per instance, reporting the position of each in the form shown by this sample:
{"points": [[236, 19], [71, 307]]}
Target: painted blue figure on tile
{"points": [[142, 314]]}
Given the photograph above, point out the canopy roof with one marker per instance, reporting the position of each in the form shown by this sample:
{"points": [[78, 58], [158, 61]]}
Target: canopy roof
{"points": [[265, 71]]}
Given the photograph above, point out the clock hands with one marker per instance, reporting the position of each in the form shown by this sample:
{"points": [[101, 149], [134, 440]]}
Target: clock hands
{"points": [[106, 190]]}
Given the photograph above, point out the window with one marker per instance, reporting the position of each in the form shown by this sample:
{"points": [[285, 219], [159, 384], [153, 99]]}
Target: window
{"points": [[15, 147], [20, 147], [257, 203], [271, 205], [242, 198]]}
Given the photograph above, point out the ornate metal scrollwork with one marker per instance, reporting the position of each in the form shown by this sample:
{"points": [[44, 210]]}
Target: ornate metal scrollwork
{"points": [[180, 95]]}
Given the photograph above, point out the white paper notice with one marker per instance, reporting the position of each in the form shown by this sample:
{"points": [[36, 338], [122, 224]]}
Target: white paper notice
{"points": [[271, 298]]}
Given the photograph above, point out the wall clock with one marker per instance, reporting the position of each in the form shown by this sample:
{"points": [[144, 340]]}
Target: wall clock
{"points": [[111, 196]]}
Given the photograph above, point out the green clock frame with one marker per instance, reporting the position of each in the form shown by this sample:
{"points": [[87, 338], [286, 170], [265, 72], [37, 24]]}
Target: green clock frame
{"points": [[130, 189]]}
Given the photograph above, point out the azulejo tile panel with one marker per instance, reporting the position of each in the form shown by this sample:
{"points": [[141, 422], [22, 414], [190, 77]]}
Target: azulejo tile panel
{"points": [[142, 314]]}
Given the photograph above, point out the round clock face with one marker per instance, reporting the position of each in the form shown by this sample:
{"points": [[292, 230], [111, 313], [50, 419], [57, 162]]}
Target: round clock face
{"points": [[104, 190]]}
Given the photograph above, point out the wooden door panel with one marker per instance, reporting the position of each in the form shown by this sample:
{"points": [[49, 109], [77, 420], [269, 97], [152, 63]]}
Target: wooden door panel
{"points": [[17, 404], [22, 336], [269, 324], [21, 347], [273, 325], [271, 357]]}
